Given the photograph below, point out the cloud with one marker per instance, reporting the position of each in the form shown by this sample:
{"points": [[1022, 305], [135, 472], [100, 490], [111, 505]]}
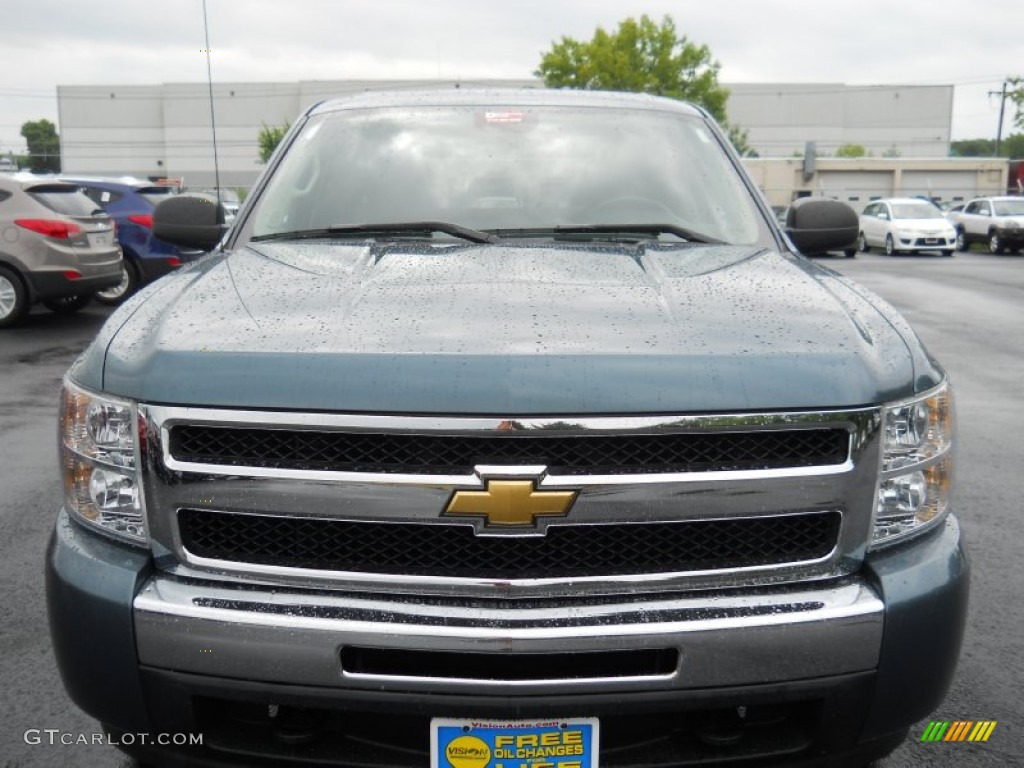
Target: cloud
{"points": [[121, 42]]}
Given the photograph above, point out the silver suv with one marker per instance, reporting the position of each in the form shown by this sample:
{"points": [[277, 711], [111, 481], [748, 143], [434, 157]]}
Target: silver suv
{"points": [[55, 247], [998, 221]]}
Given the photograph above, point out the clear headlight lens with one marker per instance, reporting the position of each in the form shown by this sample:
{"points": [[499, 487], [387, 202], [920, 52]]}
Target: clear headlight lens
{"points": [[917, 466], [97, 451]]}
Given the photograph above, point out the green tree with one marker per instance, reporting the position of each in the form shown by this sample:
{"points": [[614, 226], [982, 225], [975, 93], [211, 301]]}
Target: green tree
{"points": [[1015, 92], [645, 57], [972, 148], [1011, 146], [740, 139], [43, 145], [851, 150], [268, 138]]}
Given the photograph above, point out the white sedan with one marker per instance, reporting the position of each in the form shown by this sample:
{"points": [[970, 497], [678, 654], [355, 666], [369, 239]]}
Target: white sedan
{"points": [[902, 224]]}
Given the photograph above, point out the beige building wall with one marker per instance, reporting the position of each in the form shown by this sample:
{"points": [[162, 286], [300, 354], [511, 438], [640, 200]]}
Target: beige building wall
{"points": [[859, 180]]}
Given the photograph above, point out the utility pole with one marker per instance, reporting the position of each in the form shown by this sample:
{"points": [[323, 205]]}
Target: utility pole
{"points": [[1002, 109]]}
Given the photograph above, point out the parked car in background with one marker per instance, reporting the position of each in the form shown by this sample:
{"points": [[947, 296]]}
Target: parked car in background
{"points": [[130, 202], [997, 221], [56, 247], [952, 211], [905, 224]]}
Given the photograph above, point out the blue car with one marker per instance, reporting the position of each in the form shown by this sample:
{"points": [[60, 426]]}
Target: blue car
{"points": [[130, 202]]}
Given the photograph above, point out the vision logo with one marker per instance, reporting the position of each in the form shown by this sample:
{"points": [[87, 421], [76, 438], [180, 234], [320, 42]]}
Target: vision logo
{"points": [[958, 730]]}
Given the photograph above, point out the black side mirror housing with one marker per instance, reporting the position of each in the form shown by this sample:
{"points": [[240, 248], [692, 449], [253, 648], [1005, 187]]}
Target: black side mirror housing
{"points": [[191, 222], [819, 224]]}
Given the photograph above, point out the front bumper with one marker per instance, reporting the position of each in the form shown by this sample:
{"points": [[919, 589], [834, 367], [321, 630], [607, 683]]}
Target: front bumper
{"points": [[852, 663], [1011, 236], [927, 243]]}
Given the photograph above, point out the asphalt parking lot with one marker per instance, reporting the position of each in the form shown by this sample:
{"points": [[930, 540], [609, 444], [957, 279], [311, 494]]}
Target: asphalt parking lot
{"points": [[967, 309]]}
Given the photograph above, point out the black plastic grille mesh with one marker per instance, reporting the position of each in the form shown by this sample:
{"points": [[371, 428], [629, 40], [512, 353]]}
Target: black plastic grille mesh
{"points": [[572, 454], [438, 549]]}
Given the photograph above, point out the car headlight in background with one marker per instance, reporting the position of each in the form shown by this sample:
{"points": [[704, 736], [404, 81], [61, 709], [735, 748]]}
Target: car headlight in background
{"points": [[917, 466], [98, 461]]}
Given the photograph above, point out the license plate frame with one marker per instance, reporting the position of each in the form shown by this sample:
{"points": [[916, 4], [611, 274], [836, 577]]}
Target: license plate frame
{"points": [[103, 239], [469, 743]]}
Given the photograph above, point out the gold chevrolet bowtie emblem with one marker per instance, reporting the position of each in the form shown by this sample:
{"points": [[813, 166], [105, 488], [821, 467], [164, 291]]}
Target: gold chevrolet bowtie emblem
{"points": [[510, 502]]}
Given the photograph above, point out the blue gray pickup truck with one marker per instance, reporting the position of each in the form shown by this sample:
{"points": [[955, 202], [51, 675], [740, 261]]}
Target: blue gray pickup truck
{"points": [[503, 429]]}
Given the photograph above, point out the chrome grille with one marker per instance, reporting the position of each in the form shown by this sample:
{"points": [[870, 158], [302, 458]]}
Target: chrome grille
{"points": [[573, 454], [445, 550]]}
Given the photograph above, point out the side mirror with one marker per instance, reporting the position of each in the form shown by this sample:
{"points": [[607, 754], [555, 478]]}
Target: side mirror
{"points": [[191, 222], [819, 224]]}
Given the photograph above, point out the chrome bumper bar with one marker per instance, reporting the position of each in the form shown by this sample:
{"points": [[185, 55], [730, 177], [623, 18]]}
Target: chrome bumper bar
{"points": [[294, 637]]}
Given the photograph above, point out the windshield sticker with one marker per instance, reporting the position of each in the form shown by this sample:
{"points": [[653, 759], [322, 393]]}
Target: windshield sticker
{"points": [[503, 116]]}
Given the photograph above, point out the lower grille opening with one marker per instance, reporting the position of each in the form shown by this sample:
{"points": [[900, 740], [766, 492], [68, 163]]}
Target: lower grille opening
{"points": [[566, 551], [509, 666], [246, 731]]}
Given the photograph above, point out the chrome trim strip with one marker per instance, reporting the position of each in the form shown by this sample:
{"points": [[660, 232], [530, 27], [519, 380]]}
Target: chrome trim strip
{"points": [[474, 481], [775, 635], [567, 425], [172, 597]]}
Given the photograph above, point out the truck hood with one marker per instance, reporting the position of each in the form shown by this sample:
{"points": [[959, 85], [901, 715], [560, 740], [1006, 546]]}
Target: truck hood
{"points": [[507, 329]]}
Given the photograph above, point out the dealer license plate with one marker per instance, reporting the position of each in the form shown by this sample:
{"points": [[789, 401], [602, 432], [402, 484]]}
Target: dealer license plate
{"points": [[931, 240], [513, 744]]}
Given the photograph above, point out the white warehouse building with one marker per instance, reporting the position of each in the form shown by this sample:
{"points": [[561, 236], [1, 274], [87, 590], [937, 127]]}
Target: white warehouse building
{"points": [[164, 130]]}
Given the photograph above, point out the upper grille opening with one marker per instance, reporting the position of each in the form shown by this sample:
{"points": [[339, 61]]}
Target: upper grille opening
{"points": [[291, 448]]}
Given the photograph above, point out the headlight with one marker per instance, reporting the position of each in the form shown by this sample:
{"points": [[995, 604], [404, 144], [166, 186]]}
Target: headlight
{"points": [[917, 466], [97, 453]]}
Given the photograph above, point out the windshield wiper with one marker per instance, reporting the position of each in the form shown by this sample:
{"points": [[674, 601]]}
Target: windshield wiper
{"points": [[384, 230], [652, 230], [622, 231]]}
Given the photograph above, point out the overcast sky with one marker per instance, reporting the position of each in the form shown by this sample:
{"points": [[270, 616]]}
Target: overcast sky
{"points": [[973, 46]]}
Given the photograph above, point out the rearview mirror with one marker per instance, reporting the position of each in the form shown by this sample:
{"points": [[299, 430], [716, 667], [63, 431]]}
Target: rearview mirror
{"points": [[191, 222], [819, 224]]}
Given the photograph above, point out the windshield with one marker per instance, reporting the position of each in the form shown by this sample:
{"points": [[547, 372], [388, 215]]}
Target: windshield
{"points": [[915, 211], [522, 168], [1009, 207]]}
